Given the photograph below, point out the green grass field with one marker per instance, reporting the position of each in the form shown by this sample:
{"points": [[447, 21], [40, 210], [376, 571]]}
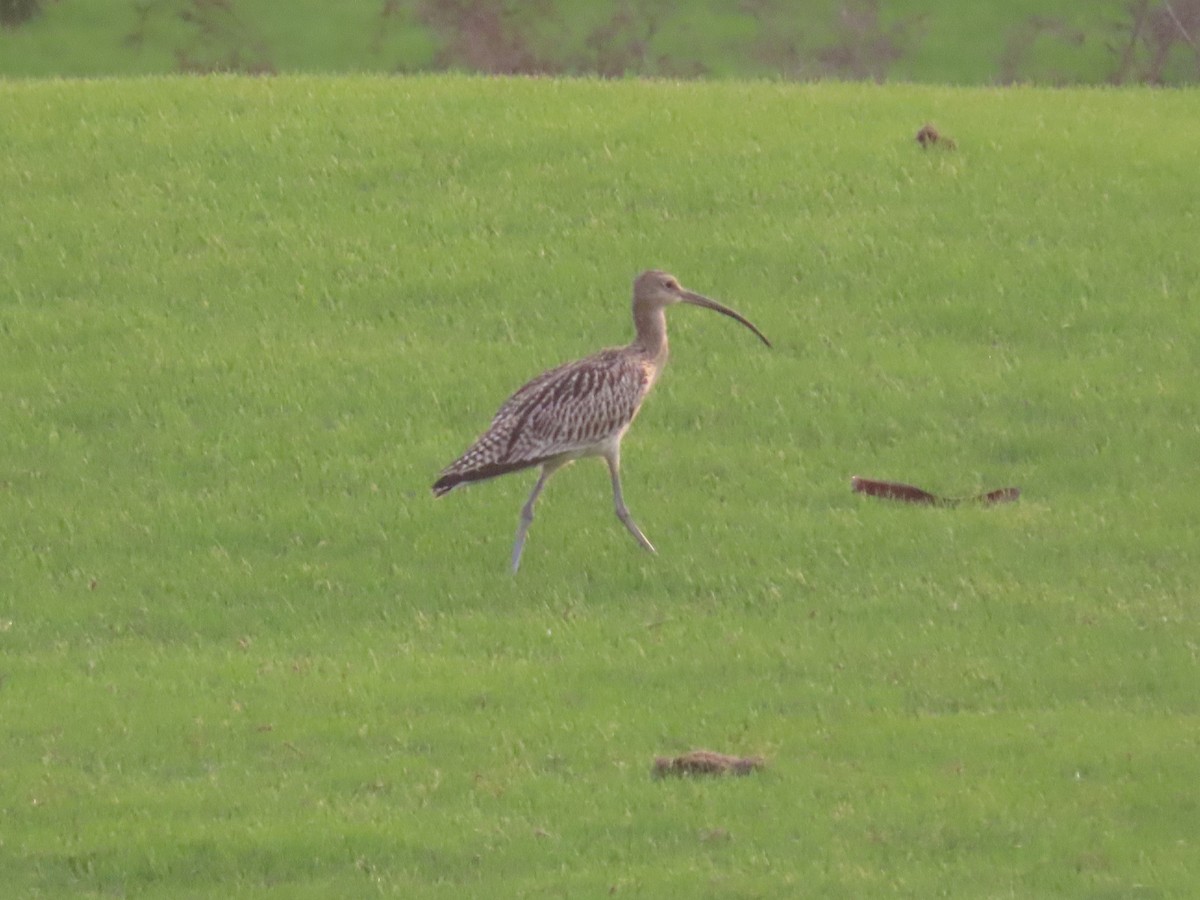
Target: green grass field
{"points": [[244, 653]]}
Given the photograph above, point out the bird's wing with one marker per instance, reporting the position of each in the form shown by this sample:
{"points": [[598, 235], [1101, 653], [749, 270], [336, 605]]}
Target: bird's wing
{"points": [[574, 407], [568, 409]]}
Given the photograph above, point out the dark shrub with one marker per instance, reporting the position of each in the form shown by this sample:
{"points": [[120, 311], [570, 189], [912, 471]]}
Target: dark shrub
{"points": [[15, 12]]}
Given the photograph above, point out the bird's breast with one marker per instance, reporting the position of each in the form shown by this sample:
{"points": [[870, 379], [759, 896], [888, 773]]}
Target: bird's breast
{"points": [[650, 369]]}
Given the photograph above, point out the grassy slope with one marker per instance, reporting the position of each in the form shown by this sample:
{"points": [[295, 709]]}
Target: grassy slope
{"points": [[940, 42], [245, 322]]}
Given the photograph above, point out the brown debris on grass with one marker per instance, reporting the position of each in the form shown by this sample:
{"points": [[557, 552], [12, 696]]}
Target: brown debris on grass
{"points": [[706, 762], [895, 490], [928, 135]]}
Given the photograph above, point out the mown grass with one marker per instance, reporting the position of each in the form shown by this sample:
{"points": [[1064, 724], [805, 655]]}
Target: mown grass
{"points": [[244, 652]]}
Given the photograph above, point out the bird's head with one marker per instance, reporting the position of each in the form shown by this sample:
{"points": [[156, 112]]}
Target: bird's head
{"points": [[658, 289]]}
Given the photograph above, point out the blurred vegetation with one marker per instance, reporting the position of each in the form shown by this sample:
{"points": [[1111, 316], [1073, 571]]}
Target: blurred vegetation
{"points": [[14, 12], [1050, 42]]}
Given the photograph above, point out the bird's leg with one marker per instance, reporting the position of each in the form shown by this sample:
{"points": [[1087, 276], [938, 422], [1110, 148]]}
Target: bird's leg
{"points": [[614, 467], [527, 516]]}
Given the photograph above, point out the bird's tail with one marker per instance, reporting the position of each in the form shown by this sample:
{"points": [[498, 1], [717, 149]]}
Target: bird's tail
{"points": [[453, 475], [446, 484]]}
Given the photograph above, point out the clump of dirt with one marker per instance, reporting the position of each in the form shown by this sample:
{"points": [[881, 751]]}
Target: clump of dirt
{"points": [[896, 490], [706, 762], [928, 136]]}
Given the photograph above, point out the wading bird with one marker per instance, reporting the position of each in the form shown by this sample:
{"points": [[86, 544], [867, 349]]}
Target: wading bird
{"points": [[582, 408]]}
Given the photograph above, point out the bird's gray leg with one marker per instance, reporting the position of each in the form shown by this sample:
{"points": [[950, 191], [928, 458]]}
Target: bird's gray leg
{"points": [[527, 516], [614, 467]]}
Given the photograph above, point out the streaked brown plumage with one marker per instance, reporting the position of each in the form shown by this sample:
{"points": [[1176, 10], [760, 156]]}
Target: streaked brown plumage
{"points": [[566, 410], [582, 408]]}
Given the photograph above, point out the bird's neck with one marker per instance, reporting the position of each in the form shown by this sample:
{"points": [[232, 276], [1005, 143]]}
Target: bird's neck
{"points": [[651, 325]]}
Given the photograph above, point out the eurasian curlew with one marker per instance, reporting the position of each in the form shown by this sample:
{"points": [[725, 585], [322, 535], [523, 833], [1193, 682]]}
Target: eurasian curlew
{"points": [[582, 408]]}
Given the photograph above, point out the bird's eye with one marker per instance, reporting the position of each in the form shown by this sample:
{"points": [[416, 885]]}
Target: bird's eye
{"points": [[672, 284]]}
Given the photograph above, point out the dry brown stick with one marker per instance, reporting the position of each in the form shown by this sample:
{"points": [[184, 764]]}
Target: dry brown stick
{"points": [[895, 490], [706, 762]]}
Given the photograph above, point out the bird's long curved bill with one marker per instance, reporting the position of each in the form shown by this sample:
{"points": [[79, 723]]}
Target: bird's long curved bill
{"points": [[701, 300]]}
